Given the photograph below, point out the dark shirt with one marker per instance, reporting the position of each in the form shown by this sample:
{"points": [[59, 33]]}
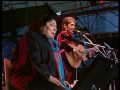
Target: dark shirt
{"points": [[64, 40], [79, 37], [32, 63]]}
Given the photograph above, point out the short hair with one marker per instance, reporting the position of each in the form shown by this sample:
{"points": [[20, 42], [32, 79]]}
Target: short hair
{"points": [[67, 20]]}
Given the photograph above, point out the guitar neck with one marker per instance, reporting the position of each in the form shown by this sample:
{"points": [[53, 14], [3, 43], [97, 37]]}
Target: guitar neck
{"points": [[86, 52]]}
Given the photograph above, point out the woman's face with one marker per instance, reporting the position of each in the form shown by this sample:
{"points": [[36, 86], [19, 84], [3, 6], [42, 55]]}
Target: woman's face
{"points": [[50, 29], [70, 27]]}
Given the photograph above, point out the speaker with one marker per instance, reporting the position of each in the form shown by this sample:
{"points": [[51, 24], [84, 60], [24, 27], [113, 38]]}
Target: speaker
{"points": [[98, 75]]}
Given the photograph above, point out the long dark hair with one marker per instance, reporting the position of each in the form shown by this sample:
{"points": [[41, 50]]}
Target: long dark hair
{"points": [[38, 23]]}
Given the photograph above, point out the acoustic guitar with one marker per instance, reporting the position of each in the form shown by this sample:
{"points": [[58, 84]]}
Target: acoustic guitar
{"points": [[76, 57]]}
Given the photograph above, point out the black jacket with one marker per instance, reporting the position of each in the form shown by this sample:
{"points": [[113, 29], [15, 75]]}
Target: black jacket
{"points": [[32, 63]]}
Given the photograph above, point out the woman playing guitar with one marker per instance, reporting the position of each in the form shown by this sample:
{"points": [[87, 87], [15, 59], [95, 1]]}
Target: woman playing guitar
{"points": [[72, 52]]}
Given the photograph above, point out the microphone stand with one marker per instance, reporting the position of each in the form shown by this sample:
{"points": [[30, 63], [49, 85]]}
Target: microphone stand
{"points": [[109, 53], [97, 46], [106, 53], [91, 43]]}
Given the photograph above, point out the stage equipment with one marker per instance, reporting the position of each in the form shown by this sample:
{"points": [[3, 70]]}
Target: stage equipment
{"points": [[104, 69]]}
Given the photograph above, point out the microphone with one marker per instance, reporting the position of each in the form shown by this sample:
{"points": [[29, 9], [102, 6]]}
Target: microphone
{"points": [[108, 46], [76, 31], [81, 32]]}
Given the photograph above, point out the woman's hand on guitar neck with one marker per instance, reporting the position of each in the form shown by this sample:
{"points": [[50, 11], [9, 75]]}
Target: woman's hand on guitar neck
{"points": [[91, 51]]}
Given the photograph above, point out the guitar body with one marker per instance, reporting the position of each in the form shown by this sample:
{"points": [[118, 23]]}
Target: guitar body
{"points": [[73, 58], [71, 61], [76, 57], [75, 63]]}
